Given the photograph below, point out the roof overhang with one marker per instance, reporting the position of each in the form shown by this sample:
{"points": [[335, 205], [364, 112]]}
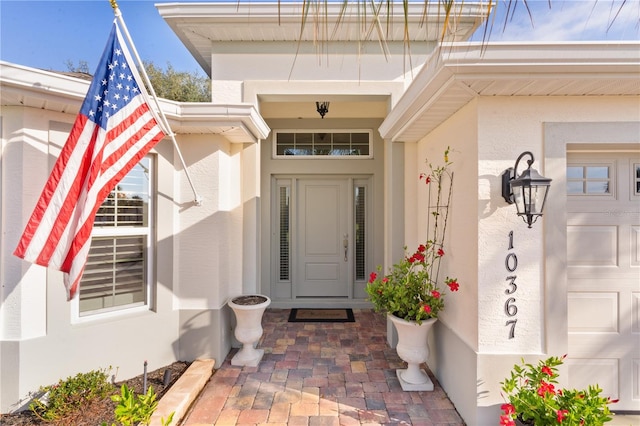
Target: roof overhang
{"points": [[460, 72], [201, 25], [35, 88]]}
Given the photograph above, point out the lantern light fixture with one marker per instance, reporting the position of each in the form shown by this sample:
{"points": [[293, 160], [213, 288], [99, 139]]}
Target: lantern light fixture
{"points": [[322, 108], [528, 190]]}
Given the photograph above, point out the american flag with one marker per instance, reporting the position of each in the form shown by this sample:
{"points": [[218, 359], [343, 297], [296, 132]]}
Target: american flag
{"points": [[114, 129]]}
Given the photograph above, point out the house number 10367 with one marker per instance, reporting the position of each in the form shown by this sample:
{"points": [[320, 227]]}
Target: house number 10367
{"points": [[510, 308]]}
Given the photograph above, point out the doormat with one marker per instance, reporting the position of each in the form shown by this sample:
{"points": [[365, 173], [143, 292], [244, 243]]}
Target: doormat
{"points": [[321, 315]]}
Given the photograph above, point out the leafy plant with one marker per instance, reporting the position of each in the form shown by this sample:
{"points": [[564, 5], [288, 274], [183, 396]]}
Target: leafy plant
{"points": [[410, 289], [534, 400], [71, 394], [135, 409]]}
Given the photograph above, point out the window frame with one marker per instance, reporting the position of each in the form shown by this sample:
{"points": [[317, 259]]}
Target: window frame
{"points": [[149, 232], [612, 179], [276, 156]]}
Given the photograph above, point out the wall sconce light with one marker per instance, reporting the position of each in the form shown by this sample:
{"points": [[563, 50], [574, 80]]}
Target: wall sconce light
{"points": [[528, 191], [322, 108]]}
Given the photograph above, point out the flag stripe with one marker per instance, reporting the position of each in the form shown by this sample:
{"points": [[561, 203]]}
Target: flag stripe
{"points": [[91, 197], [113, 131]]}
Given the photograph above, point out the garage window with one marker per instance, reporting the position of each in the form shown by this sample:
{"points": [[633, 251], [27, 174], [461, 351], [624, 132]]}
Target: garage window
{"points": [[590, 179]]}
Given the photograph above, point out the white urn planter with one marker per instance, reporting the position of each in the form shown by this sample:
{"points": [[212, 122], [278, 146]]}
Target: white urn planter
{"points": [[248, 310], [413, 348]]}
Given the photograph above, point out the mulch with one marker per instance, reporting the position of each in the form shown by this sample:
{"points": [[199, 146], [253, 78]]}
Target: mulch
{"points": [[97, 412]]}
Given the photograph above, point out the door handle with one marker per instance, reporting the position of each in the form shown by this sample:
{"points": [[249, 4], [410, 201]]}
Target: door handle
{"points": [[345, 243]]}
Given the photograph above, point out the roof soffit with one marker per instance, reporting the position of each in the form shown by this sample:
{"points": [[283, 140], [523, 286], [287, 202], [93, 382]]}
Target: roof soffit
{"points": [[463, 71], [35, 88], [199, 25]]}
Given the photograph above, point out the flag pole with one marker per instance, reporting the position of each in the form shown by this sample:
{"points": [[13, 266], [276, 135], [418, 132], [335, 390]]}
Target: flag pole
{"points": [[163, 118]]}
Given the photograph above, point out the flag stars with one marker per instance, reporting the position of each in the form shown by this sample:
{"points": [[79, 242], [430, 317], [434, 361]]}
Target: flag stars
{"points": [[104, 81], [122, 75], [119, 86]]}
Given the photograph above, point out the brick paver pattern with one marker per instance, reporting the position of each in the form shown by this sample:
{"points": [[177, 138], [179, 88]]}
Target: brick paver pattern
{"points": [[319, 374]]}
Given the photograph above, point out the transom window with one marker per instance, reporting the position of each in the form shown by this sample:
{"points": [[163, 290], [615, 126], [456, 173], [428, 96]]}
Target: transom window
{"points": [[117, 272], [590, 179], [323, 144]]}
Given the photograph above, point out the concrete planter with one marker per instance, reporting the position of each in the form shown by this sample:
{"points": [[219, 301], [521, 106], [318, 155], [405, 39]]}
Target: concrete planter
{"points": [[248, 310], [414, 350]]}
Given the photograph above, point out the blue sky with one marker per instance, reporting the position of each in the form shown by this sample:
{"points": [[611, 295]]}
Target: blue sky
{"points": [[48, 34]]}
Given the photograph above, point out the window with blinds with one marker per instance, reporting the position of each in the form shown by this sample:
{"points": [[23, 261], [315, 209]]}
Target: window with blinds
{"points": [[285, 246], [116, 275], [323, 144], [360, 223]]}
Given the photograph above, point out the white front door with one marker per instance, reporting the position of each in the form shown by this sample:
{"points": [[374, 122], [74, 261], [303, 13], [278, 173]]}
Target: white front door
{"points": [[323, 260], [603, 253]]}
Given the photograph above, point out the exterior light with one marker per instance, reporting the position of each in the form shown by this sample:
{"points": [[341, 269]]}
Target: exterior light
{"points": [[528, 191], [322, 108]]}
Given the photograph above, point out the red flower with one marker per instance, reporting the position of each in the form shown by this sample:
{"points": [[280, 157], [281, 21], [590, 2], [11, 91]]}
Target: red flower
{"points": [[546, 388], [385, 280], [372, 277], [453, 285], [435, 294], [508, 409], [411, 259], [422, 248], [426, 309], [561, 415], [427, 178], [506, 420], [546, 370], [440, 252], [418, 257]]}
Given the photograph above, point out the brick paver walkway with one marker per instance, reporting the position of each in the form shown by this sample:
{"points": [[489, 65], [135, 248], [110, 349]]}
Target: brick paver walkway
{"points": [[319, 374]]}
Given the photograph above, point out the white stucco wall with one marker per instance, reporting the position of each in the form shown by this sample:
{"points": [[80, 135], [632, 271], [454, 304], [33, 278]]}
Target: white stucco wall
{"points": [[36, 318], [504, 128]]}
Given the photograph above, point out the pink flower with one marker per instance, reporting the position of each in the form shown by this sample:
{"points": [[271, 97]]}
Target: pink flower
{"points": [[435, 294], [385, 280], [546, 388], [506, 420], [426, 309], [508, 409], [561, 415], [546, 370]]}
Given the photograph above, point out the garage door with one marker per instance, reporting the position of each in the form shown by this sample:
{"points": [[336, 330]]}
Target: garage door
{"points": [[603, 253]]}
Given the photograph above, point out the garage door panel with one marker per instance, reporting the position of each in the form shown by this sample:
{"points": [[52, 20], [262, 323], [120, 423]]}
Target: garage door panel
{"points": [[592, 245], [635, 247], [635, 313], [585, 371], [636, 380], [582, 306]]}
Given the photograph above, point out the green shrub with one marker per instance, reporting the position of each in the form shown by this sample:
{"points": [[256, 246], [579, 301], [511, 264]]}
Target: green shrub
{"points": [[69, 395], [135, 409]]}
